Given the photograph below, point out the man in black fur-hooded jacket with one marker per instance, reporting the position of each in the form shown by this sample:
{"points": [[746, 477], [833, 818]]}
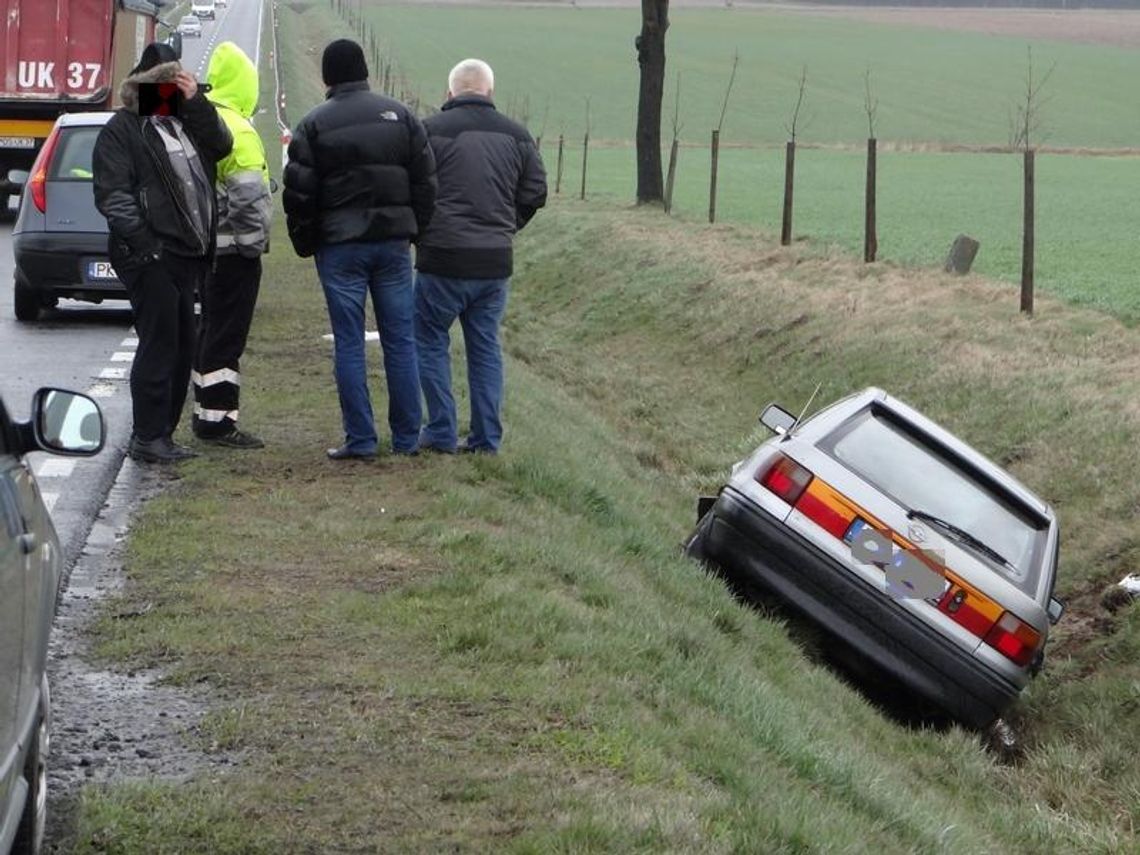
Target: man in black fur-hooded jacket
{"points": [[154, 182]]}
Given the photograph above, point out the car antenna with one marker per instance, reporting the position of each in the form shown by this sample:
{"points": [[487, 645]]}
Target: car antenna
{"points": [[803, 412]]}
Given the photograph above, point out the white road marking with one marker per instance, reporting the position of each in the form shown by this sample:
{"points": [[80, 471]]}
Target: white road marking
{"points": [[49, 500], [122, 356], [113, 374], [54, 467], [129, 342]]}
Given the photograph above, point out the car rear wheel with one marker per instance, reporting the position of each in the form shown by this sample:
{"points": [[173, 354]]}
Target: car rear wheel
{"points": [[27, 302], [33, 821]]}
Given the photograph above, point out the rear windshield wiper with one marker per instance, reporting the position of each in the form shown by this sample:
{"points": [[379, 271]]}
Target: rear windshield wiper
{"points": [[961, 534]]}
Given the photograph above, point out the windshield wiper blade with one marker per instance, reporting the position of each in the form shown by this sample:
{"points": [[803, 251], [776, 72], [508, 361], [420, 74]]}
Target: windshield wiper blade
{"points": [[960, 533]]}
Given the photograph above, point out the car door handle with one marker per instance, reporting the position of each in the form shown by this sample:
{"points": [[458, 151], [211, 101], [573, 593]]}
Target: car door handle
{"points": [[28, 543]]}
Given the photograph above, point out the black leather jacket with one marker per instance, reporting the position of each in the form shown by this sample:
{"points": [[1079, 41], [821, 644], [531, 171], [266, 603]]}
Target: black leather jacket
{"points": [[135, 186], [360, 169]]}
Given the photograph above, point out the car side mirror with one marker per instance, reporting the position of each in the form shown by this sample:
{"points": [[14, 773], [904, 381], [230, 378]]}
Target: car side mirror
{"points": [[174, 40], [1055, 609], [777, 419], [67, 423], [18, 178], [273, 185]]}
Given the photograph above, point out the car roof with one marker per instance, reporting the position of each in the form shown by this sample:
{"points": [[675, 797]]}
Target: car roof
{"points": [[90, 120]]}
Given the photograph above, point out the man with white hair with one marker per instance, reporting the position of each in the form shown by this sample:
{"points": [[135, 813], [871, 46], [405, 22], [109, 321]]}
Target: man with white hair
{"points": [[491, 182]]}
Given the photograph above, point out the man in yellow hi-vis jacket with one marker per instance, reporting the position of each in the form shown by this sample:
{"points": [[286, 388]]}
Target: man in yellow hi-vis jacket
{"points": [[244, 210]]}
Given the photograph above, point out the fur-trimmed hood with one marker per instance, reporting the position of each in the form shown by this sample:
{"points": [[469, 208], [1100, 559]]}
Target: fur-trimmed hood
{"points": [[161, 73]]}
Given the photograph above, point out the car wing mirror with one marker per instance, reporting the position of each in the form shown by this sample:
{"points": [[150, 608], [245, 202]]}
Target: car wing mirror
{"points": [[174, 40], [67, 423], [273, 185], [17, 178], [777, 419], [1055, 609]]}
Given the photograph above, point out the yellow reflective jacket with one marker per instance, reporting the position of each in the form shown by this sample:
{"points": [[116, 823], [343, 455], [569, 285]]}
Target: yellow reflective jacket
{"points": [[244, 204]]}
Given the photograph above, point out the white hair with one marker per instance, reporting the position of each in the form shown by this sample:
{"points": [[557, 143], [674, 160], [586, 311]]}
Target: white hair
{"points": [[471, 76]]}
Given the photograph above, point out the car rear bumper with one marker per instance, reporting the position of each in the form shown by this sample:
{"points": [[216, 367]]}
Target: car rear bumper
{"points": [[56, 263], [746, 540]]}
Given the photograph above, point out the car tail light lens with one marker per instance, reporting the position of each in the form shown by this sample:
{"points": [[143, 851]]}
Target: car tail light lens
{"points": [[1014, 639], [37, 184], [786, 478]]}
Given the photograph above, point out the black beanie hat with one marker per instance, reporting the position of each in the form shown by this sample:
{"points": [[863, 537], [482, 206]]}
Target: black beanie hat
{"points": [[343, 62], [156, 53]]}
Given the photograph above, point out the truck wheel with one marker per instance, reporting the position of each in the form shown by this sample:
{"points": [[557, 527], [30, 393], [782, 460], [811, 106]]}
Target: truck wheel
{"points": [[27, 302], [30, 833]]}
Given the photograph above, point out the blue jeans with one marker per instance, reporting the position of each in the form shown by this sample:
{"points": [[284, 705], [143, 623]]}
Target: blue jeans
{"points": [[479, 304], [349, 272]]}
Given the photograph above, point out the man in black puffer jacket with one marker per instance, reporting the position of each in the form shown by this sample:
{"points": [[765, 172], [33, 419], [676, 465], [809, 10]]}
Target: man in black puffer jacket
{"points": [[491, 182], [359, 186], [154, 182]]}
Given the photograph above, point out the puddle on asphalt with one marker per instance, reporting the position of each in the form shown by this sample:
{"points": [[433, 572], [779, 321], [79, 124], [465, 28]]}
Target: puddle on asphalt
{"points": [[110, 726]]}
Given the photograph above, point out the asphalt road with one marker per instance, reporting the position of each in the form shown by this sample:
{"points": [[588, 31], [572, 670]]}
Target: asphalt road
{"points": [[89, 348]]}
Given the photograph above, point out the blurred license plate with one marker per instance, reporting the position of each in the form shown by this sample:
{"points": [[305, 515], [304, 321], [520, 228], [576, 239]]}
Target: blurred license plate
{"points": [[17, 142], [100, 270]]}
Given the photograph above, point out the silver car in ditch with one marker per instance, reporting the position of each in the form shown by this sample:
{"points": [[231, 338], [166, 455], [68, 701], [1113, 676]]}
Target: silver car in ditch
{"points": [[901, 541]]}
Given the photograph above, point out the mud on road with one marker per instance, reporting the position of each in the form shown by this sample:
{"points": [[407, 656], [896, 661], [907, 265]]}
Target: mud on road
{"points": [[110, 725]]}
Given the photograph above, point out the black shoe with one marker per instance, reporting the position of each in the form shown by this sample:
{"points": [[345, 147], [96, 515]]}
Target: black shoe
{"points": [[234, 439], [182, 451], [464, 448], [160, 450], [345, 453]]}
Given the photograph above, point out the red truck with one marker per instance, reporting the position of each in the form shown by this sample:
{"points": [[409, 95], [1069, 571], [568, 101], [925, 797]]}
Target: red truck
{"points": [[63, 56]]}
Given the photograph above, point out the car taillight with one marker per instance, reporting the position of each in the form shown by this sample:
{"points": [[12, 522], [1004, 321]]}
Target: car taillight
{"points": [[1014, 639], [37, 184], [786, 478]]}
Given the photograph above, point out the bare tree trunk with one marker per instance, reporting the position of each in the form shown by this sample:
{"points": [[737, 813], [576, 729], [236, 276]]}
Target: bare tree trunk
{"points": [[672, 174], [712, 176], [789, 190], [1027, 239], [558, 173], [651, 57], [870, 227]]}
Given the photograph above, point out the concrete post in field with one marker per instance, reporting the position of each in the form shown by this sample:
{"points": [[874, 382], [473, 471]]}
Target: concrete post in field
{"points": [[789, 192], [870, 226], [585, 154], [712, 175], [962, 254], [1027, 238], [558, 171]]}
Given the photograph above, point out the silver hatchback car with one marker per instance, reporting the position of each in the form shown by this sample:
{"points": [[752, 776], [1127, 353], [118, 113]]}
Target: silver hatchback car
{"points": [[30, 577], [899, 540]]}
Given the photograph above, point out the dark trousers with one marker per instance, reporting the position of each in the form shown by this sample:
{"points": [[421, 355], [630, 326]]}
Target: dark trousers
{"points": [[227, 313], [162, 297]]}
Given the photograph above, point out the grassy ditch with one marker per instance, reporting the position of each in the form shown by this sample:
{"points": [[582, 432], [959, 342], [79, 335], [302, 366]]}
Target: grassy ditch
{"points": [[507, 653]]}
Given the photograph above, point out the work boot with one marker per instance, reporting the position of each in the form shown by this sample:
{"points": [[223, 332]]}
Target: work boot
{"points": [[159, 450]]}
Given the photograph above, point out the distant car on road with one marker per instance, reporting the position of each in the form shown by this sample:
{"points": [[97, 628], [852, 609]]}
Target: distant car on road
{"points": [[30, 577], [190, 26], [203, 8], [901, 541], [60, 239]]}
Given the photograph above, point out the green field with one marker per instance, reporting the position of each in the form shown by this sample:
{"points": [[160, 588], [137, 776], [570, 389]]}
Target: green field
{"points": [[932, 86]]}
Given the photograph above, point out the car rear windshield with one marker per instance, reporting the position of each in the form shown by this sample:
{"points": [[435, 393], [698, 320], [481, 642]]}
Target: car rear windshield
{"points": [[916, 473], [72, 158]]}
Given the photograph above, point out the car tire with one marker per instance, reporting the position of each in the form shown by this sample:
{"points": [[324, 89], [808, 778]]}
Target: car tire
{"points": [[27, 302], [33, 821]]}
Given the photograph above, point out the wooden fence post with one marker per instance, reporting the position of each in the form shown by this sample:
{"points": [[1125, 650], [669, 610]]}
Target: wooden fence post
{"points": [[712, 175], [585, 152], [1027, 238], [558, 173], [789, 189], [870, 228], [670, 175]]}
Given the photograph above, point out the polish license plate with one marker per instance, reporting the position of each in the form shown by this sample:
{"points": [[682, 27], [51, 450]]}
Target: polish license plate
{"points": [[17, 142], [101, 270]]}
